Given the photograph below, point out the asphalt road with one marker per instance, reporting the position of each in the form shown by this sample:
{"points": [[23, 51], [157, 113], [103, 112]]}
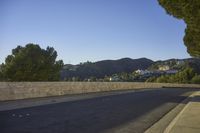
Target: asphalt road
{"points": [[131, 112]]}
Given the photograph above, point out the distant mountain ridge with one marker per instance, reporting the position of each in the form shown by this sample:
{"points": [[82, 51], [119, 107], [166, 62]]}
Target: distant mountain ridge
{"points": [[103, 68], [106, 67]]}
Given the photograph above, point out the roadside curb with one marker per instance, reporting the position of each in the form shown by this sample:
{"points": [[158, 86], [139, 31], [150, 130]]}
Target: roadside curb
{"points": [[171, 117], [171, 125]]}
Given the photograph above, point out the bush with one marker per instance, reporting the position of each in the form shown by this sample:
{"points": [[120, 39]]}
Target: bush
{"points": [[151, 79], [184, 76], [196, 79]]}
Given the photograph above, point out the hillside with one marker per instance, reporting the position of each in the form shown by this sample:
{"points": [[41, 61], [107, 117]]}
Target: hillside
{"points": [[178, 64], [187, 71], [102, 68]]}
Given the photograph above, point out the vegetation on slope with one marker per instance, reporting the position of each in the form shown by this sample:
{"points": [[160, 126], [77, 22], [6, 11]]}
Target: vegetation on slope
{"points": [[104, 68]]}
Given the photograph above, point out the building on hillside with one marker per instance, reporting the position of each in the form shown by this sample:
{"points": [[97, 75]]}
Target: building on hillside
{"points": [[180, 62], [114, 78], [171, 71], [142, 72], [163, 68]]}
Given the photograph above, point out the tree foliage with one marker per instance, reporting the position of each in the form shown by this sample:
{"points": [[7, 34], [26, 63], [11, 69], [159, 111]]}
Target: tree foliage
{"points": [[187, 75], [189, 11], [196, 79], [32, 63]]}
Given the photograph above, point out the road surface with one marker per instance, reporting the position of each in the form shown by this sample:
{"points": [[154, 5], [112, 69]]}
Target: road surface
{"points": [[131, 112]]}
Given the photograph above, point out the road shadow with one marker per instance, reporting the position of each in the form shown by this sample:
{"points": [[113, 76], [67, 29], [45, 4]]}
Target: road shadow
{"points": [[195, 99]]}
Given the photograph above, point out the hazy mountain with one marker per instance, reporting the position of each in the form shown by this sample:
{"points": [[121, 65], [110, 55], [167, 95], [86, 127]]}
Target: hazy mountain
{"points": [[106, 67]]}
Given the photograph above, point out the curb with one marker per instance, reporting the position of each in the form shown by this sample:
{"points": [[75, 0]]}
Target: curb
{"points": [[171, 116], [171, 125]]}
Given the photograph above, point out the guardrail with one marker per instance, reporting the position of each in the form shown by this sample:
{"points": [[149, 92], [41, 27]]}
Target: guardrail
{"points": [[24, 90]]}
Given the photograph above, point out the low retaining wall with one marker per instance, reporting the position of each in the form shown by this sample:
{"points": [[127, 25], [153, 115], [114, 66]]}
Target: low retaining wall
{"points": [[23, 90]]}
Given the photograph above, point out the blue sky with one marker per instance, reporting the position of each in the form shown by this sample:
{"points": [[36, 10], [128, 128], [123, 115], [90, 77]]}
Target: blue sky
{"points": [[93, 30]]}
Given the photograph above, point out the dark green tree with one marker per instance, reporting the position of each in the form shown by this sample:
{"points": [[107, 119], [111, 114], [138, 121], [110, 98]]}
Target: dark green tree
{"points": [[32, 63], [1, 72], [189, 11], [184, 76], [196, 79]]}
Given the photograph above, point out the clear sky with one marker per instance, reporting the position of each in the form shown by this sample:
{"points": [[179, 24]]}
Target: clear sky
{"points": [[93, 30]]}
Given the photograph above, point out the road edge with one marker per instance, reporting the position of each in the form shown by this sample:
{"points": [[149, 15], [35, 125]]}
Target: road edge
{"points": [[178, 110], [173, 122]]}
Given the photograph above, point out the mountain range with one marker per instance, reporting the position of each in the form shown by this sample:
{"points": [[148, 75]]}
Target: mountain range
{"points": [[104, 68]]}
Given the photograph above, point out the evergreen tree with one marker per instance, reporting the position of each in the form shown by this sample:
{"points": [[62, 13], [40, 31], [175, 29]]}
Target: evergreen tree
{"points": [[31, 63], [189, 11]]}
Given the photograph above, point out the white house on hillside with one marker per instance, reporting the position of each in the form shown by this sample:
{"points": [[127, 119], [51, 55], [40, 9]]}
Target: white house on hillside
{"points": [[171, 71], [164, 68], [180, 62], [142, 72]]}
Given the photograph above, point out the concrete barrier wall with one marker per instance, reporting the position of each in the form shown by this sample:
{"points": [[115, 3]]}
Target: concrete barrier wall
{"points": [[23, 90]]}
